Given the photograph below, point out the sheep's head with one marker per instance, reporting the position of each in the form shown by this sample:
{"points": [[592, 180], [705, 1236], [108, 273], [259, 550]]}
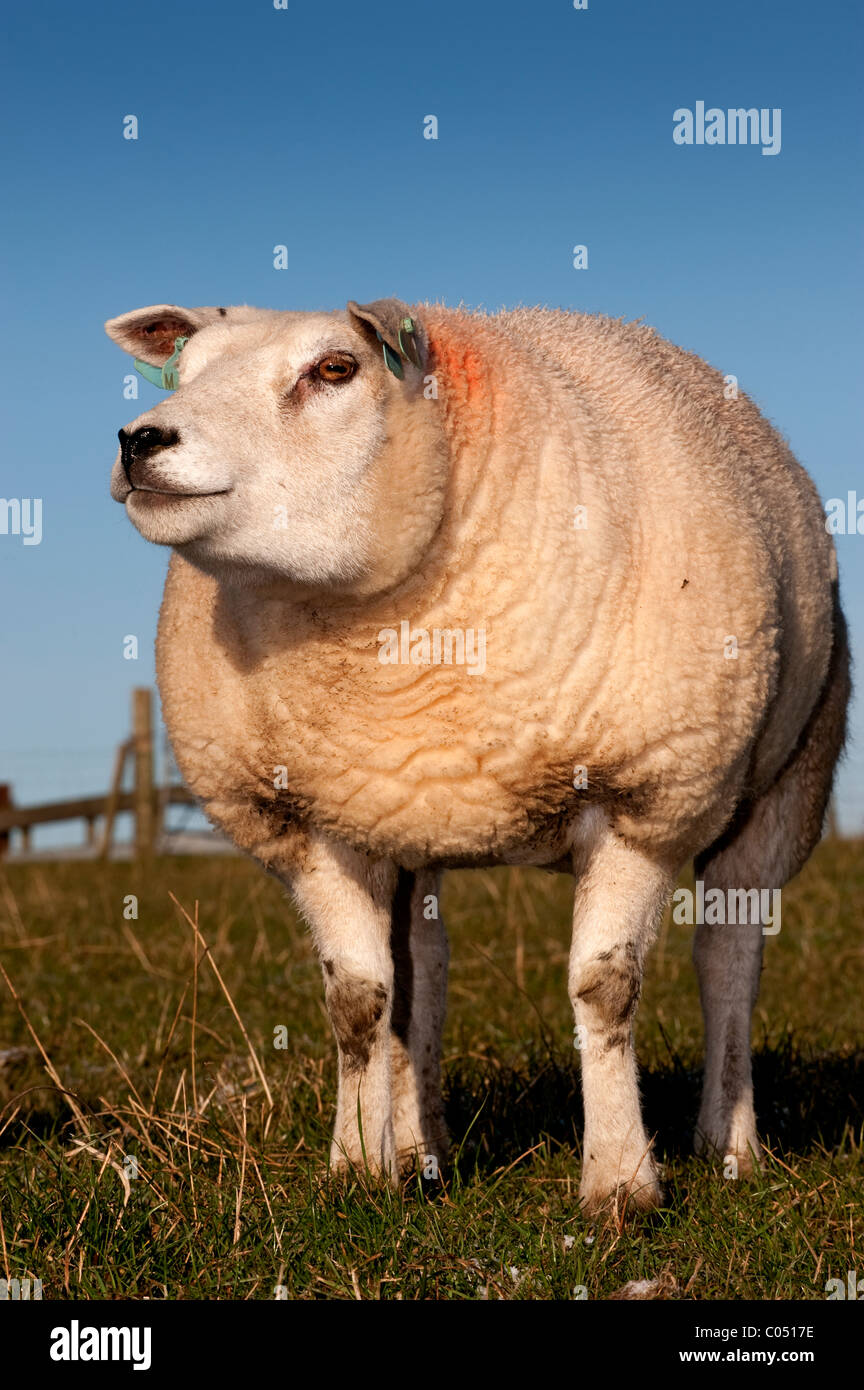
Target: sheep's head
{"points": [[298, 446]]}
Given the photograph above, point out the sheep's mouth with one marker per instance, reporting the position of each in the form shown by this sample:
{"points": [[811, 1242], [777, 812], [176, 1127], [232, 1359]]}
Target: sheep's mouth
{"points": [[160, 497]]}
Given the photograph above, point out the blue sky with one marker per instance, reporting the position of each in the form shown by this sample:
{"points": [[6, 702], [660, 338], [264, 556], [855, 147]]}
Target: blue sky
{"points": [[304, 127]]}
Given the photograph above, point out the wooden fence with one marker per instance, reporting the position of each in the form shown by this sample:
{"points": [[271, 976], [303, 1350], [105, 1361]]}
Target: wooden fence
{"points": [[146, 800]]}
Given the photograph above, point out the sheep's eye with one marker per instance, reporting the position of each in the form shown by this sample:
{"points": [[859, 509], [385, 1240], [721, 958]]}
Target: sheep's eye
{"points": [[336, 368]]}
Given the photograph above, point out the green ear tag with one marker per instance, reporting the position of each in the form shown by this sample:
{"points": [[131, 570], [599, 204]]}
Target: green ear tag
{"points": [[390, 358], [170, 372], [166, 377], [153, 374], [408, 343]]}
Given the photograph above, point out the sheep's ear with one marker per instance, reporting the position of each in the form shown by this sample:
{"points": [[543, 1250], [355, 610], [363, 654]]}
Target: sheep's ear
{"points": [[149, 334], [396, 326]]}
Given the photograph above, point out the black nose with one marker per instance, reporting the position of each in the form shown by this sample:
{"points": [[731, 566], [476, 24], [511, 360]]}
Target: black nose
{"points": [[141, 444]]}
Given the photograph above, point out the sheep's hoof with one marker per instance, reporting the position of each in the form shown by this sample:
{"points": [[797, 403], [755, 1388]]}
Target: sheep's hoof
{"points": [[741, 1156], [624, 1201], [367, 1175], [428, 1165], [641, 1193], [381, 1171], [426, 1157]]}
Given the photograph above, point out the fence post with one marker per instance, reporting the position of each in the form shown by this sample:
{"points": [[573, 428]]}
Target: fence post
{"points": [[124, 751], [142, 732], [5, 801]]}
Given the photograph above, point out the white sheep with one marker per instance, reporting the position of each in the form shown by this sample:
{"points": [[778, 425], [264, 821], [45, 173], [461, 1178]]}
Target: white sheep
{"points": [[664, 674]]}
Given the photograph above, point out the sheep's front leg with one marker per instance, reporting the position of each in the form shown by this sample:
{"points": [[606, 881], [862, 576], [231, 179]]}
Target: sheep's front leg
{"points": [[620, 895], [420, 957], [346, 898]]}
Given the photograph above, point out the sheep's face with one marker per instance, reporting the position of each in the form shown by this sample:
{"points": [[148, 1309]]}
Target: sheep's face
{"points": [[286, 447]]}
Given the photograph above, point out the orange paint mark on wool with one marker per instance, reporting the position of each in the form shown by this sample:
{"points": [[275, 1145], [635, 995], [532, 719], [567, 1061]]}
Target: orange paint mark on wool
{"points": [[464, 371]]}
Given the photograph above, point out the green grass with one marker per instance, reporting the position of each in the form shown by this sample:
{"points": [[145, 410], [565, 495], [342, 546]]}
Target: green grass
{"points": [[232, 1198]]}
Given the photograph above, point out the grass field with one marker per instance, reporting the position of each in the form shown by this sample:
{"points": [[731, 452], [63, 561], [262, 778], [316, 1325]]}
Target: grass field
{"points": [[231, 1197]]}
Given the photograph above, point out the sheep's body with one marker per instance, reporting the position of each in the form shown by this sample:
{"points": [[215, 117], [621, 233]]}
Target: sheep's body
{"points": [[606, 630], [652, 574]]}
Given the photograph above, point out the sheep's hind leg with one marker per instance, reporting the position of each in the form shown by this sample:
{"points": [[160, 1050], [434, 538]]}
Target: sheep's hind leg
{"points": [[728, 961], [620, 896], [346, 898], [420, 956], [766, 845]]}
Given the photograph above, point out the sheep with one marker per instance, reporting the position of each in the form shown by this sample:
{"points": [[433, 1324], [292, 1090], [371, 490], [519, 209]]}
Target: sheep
{"points": [[665, 673]]}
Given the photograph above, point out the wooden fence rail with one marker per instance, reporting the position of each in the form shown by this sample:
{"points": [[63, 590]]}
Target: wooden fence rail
{"points": [[146, 801]]}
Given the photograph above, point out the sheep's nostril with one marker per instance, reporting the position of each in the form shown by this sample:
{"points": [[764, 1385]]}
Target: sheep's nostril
{"points": [[142, 444]]}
